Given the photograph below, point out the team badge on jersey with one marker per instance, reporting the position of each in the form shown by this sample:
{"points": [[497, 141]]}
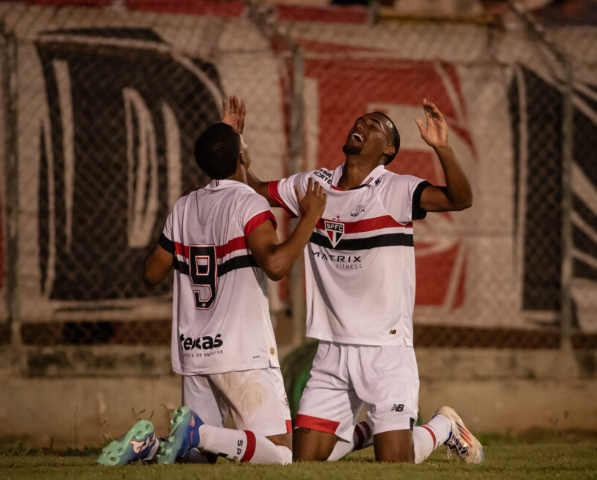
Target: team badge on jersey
{"points": [[335, 231]]}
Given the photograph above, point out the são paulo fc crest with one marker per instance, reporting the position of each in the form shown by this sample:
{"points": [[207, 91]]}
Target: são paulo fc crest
{"points": [[335, 231]]}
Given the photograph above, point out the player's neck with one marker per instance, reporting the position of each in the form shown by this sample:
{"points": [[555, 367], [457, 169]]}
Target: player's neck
{"points": [[240, 175], [356, 169]]}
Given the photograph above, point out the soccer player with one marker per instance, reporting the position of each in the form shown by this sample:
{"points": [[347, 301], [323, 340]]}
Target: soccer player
{"points": [[222, 244], [360, 282]]}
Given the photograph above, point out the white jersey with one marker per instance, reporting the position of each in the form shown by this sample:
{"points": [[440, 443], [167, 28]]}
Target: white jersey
{"points": [[360, 261], [220, 315]]}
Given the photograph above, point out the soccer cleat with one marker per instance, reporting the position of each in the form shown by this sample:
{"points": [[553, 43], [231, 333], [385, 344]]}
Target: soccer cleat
{"points": [[139, 443], [461, 441], [183, 436]]}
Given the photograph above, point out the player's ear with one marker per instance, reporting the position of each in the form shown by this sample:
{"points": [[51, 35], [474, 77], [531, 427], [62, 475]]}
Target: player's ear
{"points": [[390, 150], [242, 158]]}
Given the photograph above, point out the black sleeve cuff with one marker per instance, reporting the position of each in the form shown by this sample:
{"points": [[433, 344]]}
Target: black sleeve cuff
{"points": [[166, 244], [418, 212]]}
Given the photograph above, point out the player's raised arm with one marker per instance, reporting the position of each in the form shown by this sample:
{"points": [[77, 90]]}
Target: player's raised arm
{"points": [[262, 188], [275, 259], [234, 113], [457, 194]]}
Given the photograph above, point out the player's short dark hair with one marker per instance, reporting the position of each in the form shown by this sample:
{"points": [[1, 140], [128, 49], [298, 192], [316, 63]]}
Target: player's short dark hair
{"points": [[217, 149], [395, 137]]}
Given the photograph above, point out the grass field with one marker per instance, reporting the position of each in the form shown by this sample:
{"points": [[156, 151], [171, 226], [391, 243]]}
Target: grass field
{"points": [[557, 458]]}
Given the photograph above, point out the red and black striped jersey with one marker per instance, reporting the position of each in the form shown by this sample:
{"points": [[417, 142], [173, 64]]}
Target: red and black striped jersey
{"points": [[220, 315], [360, 261]]}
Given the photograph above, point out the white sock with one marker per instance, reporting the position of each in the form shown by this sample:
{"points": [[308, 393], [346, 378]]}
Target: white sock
{"points": [[362, 437], [430, 436], [242, 445]]}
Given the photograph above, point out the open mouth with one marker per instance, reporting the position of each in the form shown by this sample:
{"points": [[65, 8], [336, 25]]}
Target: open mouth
{"points": [[358, 137]]}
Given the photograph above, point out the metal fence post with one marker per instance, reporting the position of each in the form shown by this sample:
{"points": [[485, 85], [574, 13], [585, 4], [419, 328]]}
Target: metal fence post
{"points": [[9, 85], [297, 299], [566, 311]]}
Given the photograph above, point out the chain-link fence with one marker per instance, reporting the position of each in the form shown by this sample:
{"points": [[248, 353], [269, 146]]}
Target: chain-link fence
{"points": [[101, 106]]}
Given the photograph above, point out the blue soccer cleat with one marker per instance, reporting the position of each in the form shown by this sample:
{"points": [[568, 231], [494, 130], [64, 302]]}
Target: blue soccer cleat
{"points": [[139, 443], [183, 436]]}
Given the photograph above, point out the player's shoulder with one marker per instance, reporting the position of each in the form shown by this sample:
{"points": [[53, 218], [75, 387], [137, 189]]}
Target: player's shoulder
{"points": [[388, 178], [181, 203], [245, 198]]}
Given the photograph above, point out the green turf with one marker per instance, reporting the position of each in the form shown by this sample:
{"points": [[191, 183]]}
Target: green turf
{"points": [[550, 459]]}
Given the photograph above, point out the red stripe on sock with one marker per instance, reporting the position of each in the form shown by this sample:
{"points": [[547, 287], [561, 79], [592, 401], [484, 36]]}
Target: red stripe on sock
{"points": [[366, 427], [431, 433], [288, 426], [360, 437], [314, 423], [251, 444]]}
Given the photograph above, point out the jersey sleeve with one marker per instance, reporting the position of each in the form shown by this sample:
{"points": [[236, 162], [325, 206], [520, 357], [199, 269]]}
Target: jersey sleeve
{"points": [[282, 192], [254, 212], [166, 240], [403, 198]]}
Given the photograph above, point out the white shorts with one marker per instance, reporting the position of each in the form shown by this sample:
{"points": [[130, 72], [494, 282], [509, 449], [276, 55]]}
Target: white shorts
{"points": [[255, 399], [343, 377]]}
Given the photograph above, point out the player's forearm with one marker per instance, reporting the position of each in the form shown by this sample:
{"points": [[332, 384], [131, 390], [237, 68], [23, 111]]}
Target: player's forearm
{"points": [[284, 255], [157, 266], [260, 187], [153, 275], [458, 189]]}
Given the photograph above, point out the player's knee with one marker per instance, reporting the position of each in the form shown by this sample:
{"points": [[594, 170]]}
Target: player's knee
{"points": [[396, 457], [395, 446], [311, 446]]}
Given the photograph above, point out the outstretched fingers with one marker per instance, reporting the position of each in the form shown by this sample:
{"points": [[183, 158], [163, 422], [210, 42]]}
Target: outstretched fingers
{"points": [[233, 113], [312, 204], [432, 111], [241, 120], [421, 125]]}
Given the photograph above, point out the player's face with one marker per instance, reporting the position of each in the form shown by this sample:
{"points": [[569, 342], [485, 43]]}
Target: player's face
{"points": [[370, 135]]}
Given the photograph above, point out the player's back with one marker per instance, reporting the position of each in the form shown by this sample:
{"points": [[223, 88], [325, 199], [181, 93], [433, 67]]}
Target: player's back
{"points": [[220, 308]]}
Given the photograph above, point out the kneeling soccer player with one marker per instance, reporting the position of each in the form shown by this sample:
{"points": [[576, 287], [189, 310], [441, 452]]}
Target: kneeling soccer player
{"points": [[360, 282], [222, 244]]}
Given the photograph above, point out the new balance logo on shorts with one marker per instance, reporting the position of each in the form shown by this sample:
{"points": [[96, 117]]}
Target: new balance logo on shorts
{"points": [[397, 407]]}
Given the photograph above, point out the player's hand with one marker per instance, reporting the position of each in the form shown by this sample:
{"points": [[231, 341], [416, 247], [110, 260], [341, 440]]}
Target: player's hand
{"points": [[312, 204], [234, 113], [435, 133]]}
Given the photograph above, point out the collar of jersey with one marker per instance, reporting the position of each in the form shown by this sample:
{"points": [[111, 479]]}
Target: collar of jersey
{"points": [[376, 172], [219, 184]]}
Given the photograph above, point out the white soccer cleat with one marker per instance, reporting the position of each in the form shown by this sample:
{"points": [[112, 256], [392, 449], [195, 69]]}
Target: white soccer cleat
{"points": [[461, 441]]}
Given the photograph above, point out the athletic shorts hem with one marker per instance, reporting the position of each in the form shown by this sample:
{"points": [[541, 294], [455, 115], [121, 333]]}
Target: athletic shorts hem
{"points": [[367, 342], [316, 423], [390, 428], [189, 371]]}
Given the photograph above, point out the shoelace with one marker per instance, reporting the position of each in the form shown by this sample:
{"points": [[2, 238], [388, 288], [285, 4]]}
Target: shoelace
{"points": [[457, 447]]}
